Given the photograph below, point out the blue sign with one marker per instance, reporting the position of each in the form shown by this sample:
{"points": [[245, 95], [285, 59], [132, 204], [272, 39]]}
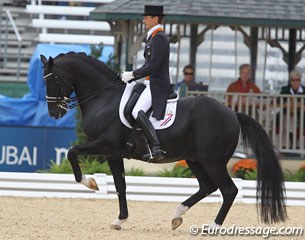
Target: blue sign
{"points": [[28, 149]]}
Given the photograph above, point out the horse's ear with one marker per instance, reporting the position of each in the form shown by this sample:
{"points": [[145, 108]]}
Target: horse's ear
{"points": [[43, 59], [51, 61]]}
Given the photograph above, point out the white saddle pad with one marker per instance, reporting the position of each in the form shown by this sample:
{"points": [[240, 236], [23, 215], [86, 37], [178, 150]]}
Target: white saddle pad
{"points": [[167, 121]]}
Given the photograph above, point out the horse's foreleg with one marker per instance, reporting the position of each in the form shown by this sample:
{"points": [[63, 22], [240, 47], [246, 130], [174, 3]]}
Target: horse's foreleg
{"points": [[87, 148], [72, 157], [116, 165], [206, 187]]}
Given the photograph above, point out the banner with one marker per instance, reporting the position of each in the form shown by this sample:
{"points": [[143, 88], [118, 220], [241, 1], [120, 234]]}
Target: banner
{"points": [[28, 149]]}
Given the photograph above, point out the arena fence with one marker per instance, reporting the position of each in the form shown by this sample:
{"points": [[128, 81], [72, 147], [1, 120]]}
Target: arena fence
{"points": [[138, 188], [281, 115]]}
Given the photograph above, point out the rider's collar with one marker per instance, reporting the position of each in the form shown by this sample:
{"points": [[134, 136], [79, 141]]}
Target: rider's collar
{"points": [[150, 32]]}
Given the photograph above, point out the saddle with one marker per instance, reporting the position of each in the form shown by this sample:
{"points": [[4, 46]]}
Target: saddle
{"points": [[129, 99], [134, 96]]}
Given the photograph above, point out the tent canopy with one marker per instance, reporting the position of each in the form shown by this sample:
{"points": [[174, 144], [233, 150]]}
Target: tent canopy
{"points": [[32, 110], [274, 13]]}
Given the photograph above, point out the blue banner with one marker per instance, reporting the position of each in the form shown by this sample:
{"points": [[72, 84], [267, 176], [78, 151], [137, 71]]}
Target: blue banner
{"points": [[28, 149]]}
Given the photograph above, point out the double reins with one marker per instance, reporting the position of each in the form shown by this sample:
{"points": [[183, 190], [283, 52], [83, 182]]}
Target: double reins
{"points": [[68, 103]]}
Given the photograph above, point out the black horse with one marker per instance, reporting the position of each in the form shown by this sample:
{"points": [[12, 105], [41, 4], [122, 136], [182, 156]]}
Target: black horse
{"points": [[205, 132]]}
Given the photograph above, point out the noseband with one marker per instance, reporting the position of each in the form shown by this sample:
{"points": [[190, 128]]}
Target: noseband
{"points": [[67, 103], [62, 101]]}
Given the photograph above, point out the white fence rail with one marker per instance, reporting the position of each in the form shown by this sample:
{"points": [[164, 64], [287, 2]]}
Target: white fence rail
{"points": [[138, 188], [69, 24]]}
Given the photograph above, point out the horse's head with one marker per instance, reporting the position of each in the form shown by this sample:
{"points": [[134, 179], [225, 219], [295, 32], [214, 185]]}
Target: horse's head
{"points": [[58, 87]]}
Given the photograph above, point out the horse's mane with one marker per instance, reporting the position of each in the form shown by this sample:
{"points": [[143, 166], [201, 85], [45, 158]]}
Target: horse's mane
{"points": [[100, 65]]}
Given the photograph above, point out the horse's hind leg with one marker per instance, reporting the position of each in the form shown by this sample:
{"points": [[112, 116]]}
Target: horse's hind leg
{"points": [[116, 165], [206, 187], [223, 181]]}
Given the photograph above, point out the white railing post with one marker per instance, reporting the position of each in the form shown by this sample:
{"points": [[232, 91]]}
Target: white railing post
{"points": [[41, 17], [10, 19], [101, 180]]}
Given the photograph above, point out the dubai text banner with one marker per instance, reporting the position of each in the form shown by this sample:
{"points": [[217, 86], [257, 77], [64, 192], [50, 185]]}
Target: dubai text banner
{"points": [[28, 149]]}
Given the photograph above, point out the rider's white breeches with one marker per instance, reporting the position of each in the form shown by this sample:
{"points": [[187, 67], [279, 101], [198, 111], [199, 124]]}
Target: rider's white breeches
{"points": [[144, 101]]}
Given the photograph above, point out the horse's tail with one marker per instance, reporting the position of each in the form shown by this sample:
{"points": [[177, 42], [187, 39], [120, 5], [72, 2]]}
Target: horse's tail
{"points": [[270, 187]]}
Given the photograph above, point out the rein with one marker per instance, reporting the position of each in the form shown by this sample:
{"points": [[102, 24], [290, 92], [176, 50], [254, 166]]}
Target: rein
{"points": [[67, 103]]}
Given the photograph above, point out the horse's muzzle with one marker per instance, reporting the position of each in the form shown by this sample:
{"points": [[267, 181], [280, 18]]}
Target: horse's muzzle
{"points": [[56, 115]]}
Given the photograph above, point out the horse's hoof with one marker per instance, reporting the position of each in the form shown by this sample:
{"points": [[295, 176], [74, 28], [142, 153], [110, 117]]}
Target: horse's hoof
{"points": [[93, 185], [115, 227], [176, 222]]}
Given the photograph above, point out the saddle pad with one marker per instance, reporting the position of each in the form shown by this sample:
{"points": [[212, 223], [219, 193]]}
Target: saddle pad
{"points": [[170, 112]]}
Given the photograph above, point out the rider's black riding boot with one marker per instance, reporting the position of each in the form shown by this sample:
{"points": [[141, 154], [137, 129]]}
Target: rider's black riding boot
{"points": [[156, 153]]}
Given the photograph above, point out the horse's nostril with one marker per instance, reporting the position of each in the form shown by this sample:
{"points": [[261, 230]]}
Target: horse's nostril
{"points": [[52, 115]]}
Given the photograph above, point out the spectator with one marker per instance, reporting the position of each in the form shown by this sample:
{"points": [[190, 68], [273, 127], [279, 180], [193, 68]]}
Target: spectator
{"points": [[188, 82], [243, 84], [294, 88]]}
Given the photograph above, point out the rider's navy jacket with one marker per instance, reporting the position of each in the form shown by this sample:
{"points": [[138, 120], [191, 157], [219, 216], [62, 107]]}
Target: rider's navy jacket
{"points": [[156, 66]]}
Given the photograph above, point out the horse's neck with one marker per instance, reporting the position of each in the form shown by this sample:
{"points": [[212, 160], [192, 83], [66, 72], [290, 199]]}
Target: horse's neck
{"points": [[101, 112], [96, 90], [86, 86], [102, 100]]}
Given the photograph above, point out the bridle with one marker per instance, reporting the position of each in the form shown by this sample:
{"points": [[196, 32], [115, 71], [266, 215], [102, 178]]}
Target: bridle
{"points": [[67, 103]]}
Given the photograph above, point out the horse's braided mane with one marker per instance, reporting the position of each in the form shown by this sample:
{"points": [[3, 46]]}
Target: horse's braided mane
{"points": [[93, 61]]}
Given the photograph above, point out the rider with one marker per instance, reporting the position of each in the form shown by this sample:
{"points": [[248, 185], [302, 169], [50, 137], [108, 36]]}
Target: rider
{"points": [[156, 71]]}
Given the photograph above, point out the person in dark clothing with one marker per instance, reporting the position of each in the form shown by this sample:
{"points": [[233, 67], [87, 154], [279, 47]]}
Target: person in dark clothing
{"points": [[156, 72], [188, 82], [293, 88]]}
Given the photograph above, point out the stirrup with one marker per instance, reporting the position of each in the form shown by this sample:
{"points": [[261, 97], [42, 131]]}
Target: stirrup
{"points": [[156, 155]]}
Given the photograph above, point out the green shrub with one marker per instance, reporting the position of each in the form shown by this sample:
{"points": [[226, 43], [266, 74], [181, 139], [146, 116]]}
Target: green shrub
{"points": [[91, 165], [64, 167], [298, 176], [177, 171], [88, 165], [135, 172], [250, 175]]}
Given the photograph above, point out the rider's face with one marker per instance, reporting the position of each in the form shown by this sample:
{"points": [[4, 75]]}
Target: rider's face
{"points": [[150, 21]]}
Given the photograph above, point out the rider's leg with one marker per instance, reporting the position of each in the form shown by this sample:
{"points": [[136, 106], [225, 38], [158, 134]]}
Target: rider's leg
{"points": [[142, 106], [156, 153]]}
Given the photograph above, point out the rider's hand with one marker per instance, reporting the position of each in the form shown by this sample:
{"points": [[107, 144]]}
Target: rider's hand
{"points": [[126, 76]]}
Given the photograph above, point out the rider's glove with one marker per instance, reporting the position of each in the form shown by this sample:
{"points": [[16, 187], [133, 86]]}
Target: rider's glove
{"points": [[126, 76]]}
